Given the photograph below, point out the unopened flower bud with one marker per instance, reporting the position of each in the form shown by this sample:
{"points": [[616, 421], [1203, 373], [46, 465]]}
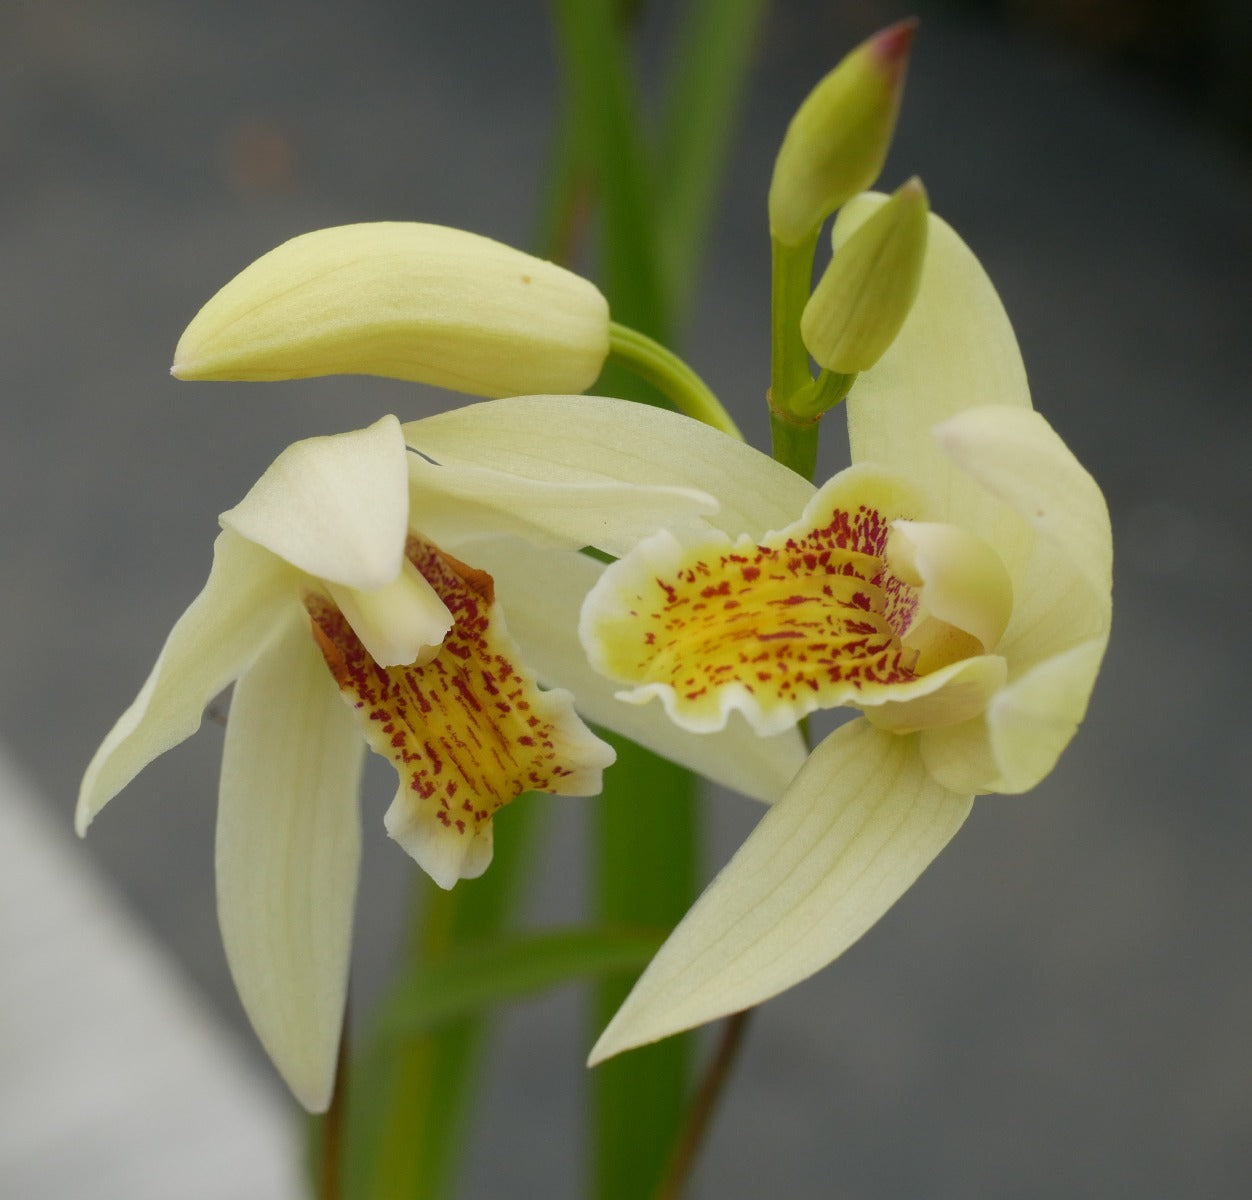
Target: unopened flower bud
{"points": [[867, 290], [838, 139], [410, 301]]}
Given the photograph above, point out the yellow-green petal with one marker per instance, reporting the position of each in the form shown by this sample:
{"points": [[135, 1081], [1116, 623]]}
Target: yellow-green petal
{"points": [[407, 300], [860, 823], [597, 439]]}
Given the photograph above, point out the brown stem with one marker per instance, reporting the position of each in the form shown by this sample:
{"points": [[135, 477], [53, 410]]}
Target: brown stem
{"points": [[703, 1105], [328, 1184]]}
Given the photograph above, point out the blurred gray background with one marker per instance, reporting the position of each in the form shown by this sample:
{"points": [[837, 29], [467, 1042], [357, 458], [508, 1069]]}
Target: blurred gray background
{"points": [[1062, 1006]]}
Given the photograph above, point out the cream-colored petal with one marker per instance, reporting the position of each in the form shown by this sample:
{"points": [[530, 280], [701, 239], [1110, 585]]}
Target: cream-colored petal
{"points": [[542, 593], [963, 582], [949, 696], [1019, 458], [453, 505], [956, 350], [590, 439], [288, 850], [336, 507], [420, 302], [860, 823], [223, 630], [1025, 729], [401, 622]]}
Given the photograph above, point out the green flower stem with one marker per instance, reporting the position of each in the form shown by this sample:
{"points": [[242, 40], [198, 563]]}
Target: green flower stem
{"points": [[794, 436], [829, 389], [795, 443], [667, 372]]}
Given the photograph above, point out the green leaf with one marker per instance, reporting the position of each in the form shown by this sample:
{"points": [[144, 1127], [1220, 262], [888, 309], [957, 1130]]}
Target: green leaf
{"points": [[477, 975], [709, 63], [646, 854], [408, 1103]]}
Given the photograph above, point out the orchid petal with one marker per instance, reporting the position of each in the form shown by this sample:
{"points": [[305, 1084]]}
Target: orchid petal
{"points": [[412, 301], [542, 592], [217, 638], [1017, 456], [860, 823], [955, 350], [336, 507], [288, 849], [588, 439], [402, 622], [1027, 725], [453, 505]]}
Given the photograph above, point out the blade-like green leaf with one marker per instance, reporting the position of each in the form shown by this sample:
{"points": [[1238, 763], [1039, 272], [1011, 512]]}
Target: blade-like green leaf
{"points": [[708, 67], [477, 975], [408, 1102]]}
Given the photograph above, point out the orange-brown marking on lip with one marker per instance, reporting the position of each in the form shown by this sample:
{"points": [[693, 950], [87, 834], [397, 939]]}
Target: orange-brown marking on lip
{"points": [[470, 730]]}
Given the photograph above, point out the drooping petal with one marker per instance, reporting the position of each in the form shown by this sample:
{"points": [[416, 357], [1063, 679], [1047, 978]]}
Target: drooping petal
{"points": [[956, 350], [468, 732], [860, 823], [288, 849], [218, 637], [808, 618], [453, 505], [413, 301], [542, 592], [336, 507], [589, 439]]}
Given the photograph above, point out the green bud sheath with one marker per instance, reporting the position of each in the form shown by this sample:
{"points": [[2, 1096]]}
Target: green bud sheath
{"points": [[867, 290], [838, 139], [420, 302]]}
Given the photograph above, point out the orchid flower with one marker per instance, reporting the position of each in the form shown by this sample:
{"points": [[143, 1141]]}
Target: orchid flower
{"points": [[335, 579], [953, 585]]}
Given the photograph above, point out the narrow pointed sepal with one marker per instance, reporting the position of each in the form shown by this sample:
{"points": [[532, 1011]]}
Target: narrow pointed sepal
{"points": [[407, 300], [288, 852], [860, 823], [217, 638]]}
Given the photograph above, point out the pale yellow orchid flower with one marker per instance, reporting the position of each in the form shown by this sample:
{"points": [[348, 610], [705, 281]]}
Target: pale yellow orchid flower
{"points": [[954, 584], [351, 553]]}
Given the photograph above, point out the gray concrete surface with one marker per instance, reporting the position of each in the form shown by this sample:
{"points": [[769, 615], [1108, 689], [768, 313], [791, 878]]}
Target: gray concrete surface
{"points": [[1061, 1007]]}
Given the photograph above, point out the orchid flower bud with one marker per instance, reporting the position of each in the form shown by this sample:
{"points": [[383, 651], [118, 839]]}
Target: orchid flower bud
{"points": [[420, 302], [838, 139], [861, 301]]}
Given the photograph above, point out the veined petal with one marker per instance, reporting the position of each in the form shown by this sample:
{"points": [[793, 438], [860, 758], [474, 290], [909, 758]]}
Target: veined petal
{"points": [[860, 823], [412, 301], [1018, 457], [1027, 725], [542, 592], [949, 696], [806, 619], [467, 732], [590, 439], [457, 504], [219, 636], [956, 350], [336, 507], [288, 851]]}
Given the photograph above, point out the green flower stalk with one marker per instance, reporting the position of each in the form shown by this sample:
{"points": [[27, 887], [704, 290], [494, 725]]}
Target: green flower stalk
{"points": [[410, 301], [837, 141]]}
